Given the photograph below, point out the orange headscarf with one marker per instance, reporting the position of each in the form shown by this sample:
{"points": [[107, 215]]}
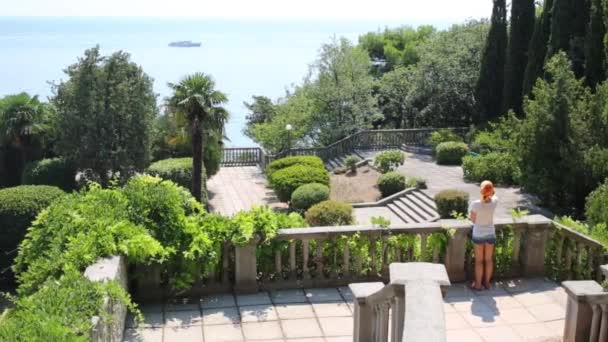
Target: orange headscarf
{"points": [[487, 190]]}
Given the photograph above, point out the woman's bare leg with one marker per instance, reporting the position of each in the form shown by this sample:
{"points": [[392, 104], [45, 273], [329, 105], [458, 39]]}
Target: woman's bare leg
{"points": [[488, 257], [479, 257]]}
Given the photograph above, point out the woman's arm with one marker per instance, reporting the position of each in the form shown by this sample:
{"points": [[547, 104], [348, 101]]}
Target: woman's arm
{"points": [[473, 216]]}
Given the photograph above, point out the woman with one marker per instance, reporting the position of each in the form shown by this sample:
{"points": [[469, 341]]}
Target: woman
{"points": [[481, 213]]}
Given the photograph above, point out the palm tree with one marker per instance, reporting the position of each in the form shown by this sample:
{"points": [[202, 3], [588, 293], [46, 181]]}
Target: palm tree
{"points": [[23, 119], [195, 99]]}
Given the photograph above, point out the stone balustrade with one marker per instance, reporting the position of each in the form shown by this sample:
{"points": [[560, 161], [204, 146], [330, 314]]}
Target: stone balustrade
{"points": [[322, 256], [412, 301]]}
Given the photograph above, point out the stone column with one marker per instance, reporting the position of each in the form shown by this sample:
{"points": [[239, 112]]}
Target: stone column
{"points": [[245, 268], [364, 314], [533, 253], [455, 256], [579, 315]]}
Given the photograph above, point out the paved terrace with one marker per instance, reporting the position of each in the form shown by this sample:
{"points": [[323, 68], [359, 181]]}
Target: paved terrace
{"points": [[517, 310]]}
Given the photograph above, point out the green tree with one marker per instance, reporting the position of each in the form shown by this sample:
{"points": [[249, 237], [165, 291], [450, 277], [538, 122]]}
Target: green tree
{"points": [[25, 123], [342, 91], [561, 26], [551, 161], [444, 80], [489, 90], [196, 99], [261, 110], [394, 94], [521, 29], [595, 56], [537, 50], [105, 112]]}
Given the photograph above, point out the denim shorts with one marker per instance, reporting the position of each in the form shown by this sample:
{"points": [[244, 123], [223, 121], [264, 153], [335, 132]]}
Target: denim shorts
{"points": [[491, 239]]}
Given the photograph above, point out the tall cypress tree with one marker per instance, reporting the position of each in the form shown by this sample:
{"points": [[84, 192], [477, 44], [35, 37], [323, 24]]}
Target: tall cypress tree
{"points": [[523, 13], [595, 58], [580, 23], [561, 26], [491, 77], [537, 50]]}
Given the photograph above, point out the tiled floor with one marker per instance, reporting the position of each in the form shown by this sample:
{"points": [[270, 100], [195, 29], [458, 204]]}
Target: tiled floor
{"points": [[518, 310], [234, 189]]}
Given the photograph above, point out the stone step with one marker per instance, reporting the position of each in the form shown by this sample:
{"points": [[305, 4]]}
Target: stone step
{"points": [[417, 218], [426, 199], [423, 210], [400, 213]]}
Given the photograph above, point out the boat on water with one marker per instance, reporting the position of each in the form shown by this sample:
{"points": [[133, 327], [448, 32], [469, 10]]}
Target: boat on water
{"points": [[185, 43]]}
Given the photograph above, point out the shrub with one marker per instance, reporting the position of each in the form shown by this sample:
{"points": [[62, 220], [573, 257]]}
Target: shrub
{"points": [[351, 163], [389, 160], [500, 167], [451, 153], [179, 171], [449, 201], [55, 171], [441, 136], [391, 183], [18, 208], [415, 182], [596, 207], [308, 195], [286, 181], [330, 213], [290, 161], [61, 311]]}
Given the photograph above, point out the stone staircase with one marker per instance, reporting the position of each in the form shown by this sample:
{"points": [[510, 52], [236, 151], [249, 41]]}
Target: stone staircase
{"points": [[414, 207], [339, 162]]}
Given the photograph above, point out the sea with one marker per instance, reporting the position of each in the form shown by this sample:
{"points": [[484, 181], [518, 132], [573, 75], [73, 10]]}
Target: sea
{"points": [[246, 57]]}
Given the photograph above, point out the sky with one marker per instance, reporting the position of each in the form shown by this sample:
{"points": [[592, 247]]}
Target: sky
{"points": [[420, 10]]}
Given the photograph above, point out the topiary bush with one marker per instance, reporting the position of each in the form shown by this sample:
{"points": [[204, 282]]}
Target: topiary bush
{"points": [[351, 163], [388, 161], [285, 181], [441, 136], [500, 167], [451, 153], [330, 213], [449, 201], [18, 208], [55, 171], [308, 195], [179, 171], [391, 183], [296, 160], [596, 207], [415, 182]]}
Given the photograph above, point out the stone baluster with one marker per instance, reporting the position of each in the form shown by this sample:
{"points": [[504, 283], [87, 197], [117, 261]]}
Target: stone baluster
{"points": [[346, 262], [319, 259], [381, 324], [278, 265], [398, 254], [305, 254], [398, 311], [568, 259], [363, 314], [372, 251], [583, 320], [580, 247], [604, 325], [595, 322], [225, 263], [293, 272]]}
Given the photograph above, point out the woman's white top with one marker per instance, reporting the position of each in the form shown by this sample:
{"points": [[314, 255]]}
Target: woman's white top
{"points": [[484, 222]]}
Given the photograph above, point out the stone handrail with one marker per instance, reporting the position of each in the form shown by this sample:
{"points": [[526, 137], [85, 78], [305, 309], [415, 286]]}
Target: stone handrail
{"points": [[304, 261], [413, 298]]}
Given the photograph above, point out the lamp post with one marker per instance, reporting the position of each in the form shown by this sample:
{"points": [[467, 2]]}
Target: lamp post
{"points": [[288, 127]]}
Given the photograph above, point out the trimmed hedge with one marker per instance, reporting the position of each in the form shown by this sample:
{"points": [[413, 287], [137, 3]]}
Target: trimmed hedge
{"points": [[330, 213], [179, 171], [285, 181], [449, 201], [18, 208], [388, 161], [501, 168], [54, 171], [441, 136], [451, 153], [391, 183], [291, 161], [596, 208], [308, 195]]}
